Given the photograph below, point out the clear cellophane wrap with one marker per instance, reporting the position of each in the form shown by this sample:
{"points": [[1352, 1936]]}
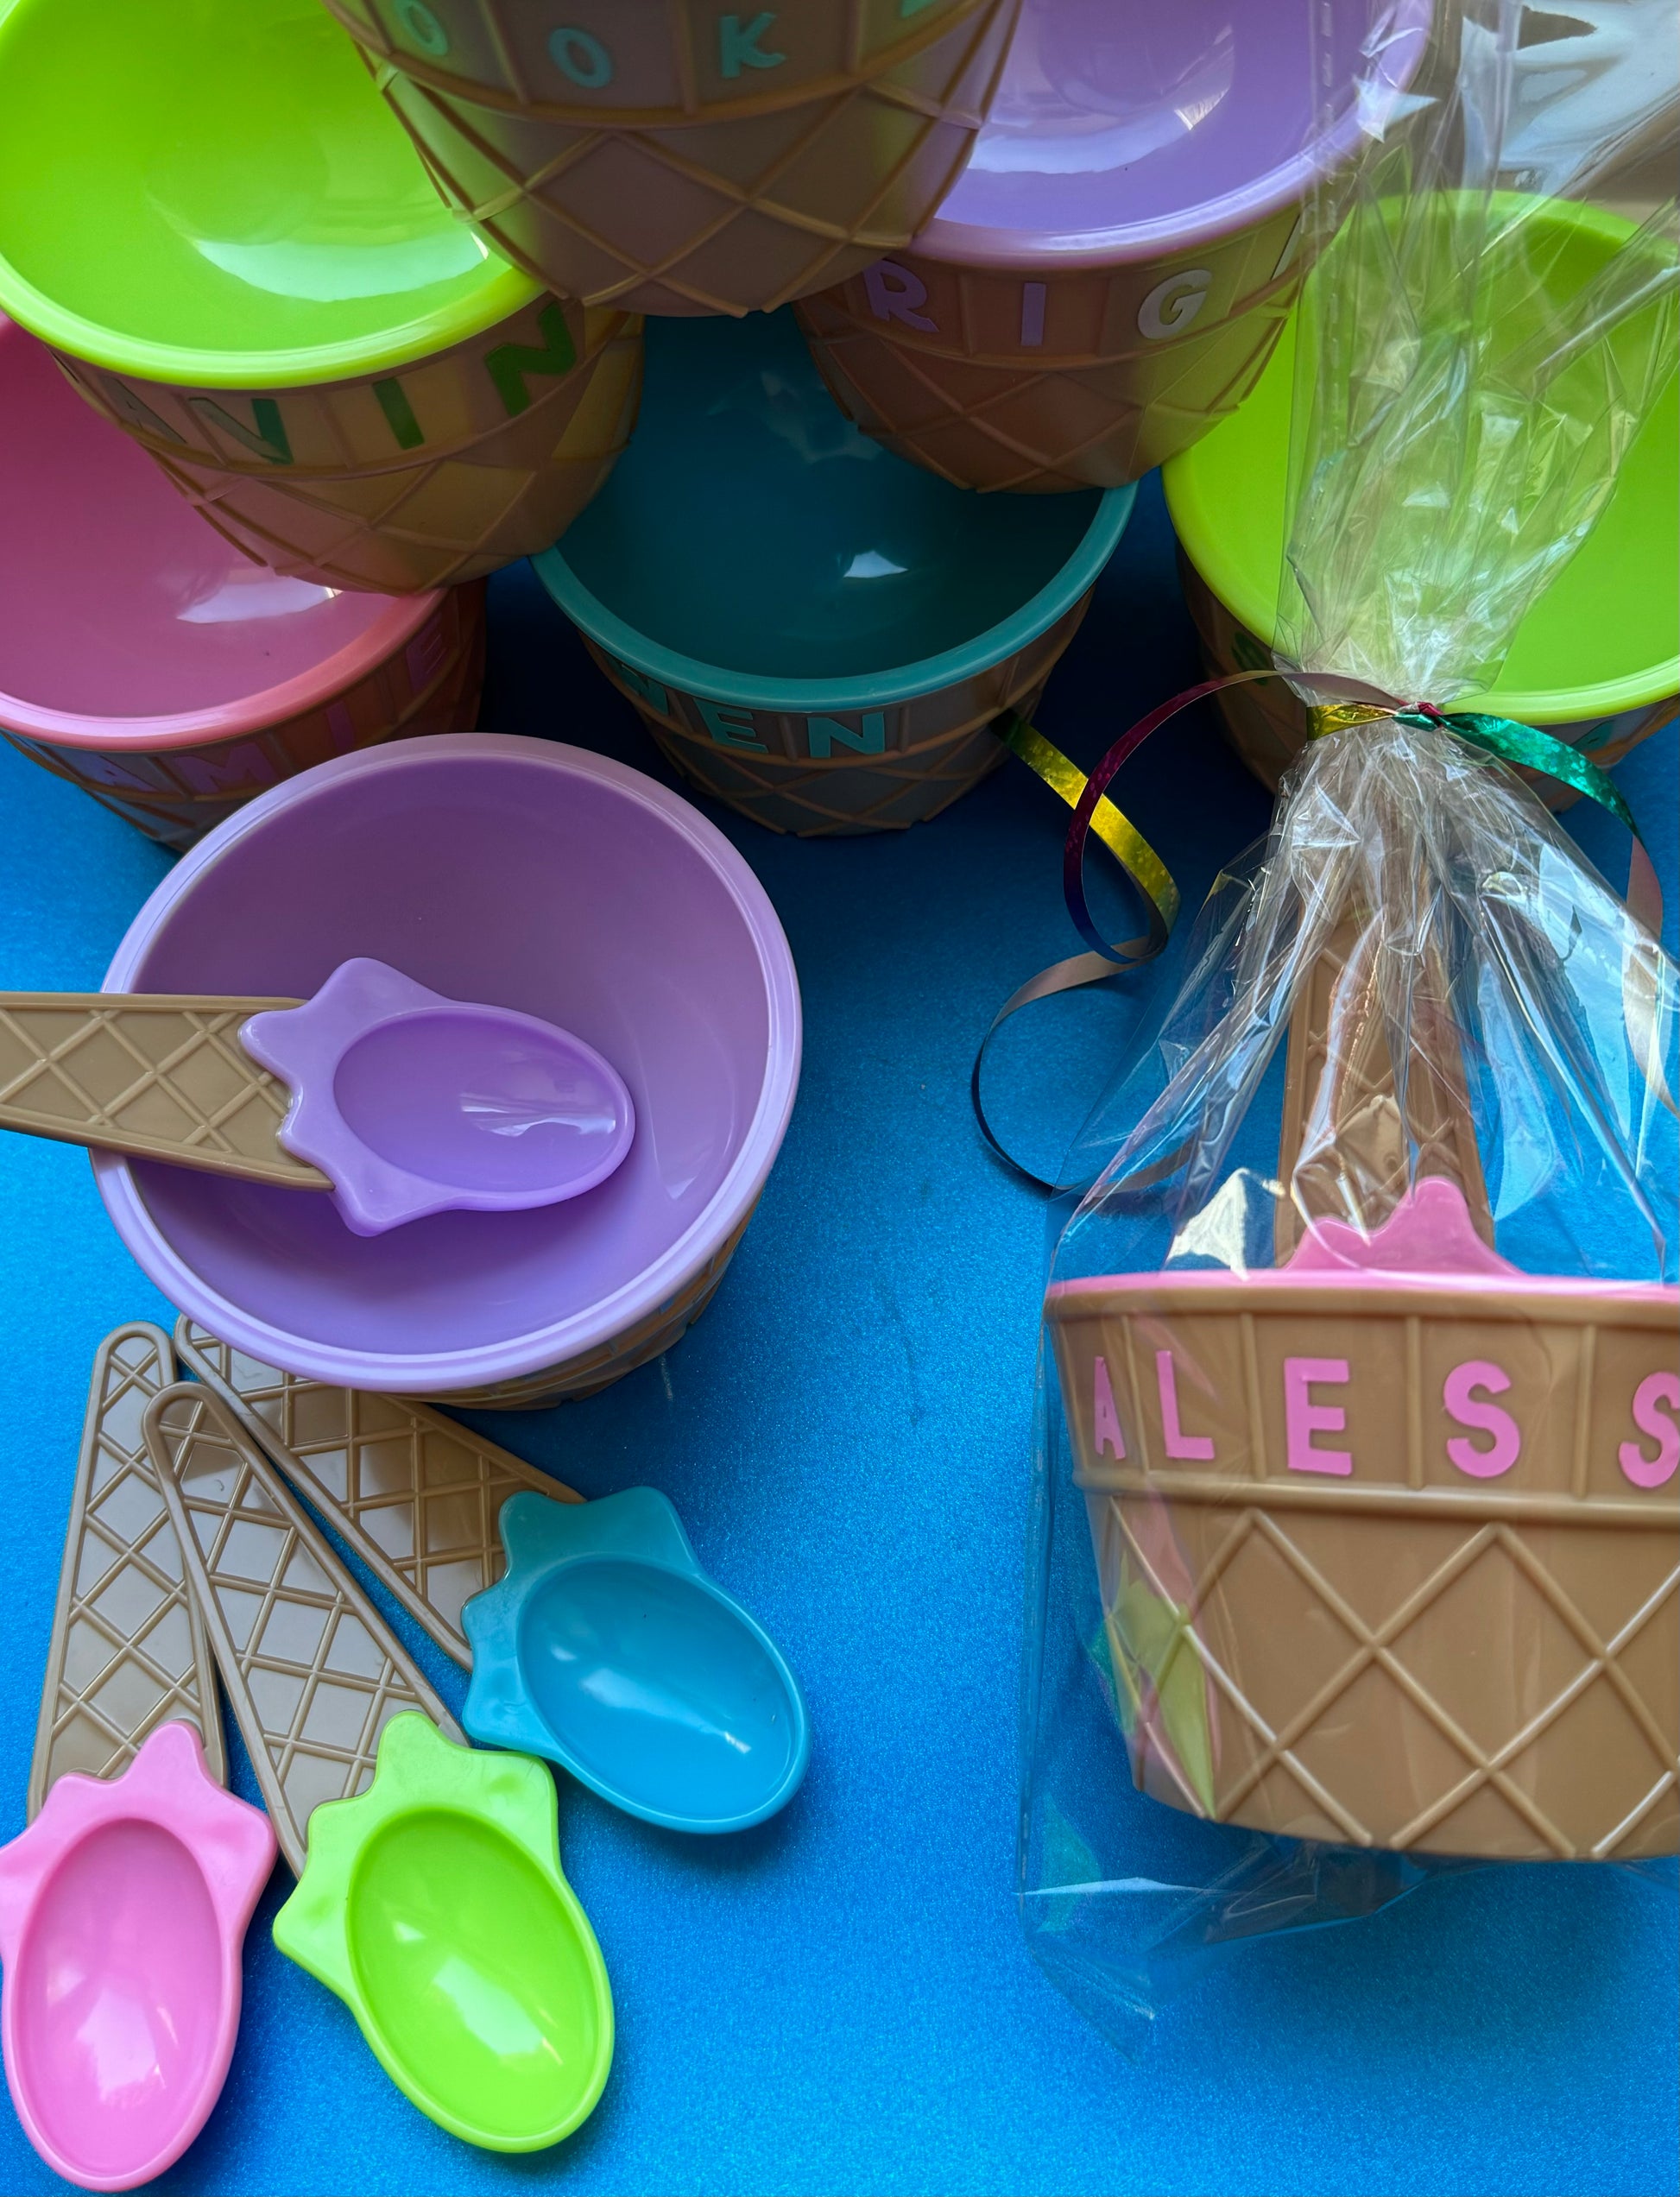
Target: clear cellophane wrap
{"points": [[1355, 1530]]}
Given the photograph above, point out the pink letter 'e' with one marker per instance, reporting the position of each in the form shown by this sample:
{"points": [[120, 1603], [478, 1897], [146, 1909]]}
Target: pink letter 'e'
{"points": [[1303, 1418], [1487, 1418], [1655, 1392]]}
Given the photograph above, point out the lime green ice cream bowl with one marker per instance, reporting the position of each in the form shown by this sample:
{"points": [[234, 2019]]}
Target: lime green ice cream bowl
{"points": [[1596, 661], [211, 214]]}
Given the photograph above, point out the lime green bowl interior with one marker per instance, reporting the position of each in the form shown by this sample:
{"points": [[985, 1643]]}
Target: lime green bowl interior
{"points": [[213, 192], [1605, 635]]}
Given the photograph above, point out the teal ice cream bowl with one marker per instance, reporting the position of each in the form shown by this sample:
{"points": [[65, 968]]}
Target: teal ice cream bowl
{"points": [[816, 632]]}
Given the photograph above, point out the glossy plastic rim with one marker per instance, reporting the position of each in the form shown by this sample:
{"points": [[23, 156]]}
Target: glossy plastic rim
{"points": [[440, 1373], [962, 244], [1195, 502], [867, 691]]}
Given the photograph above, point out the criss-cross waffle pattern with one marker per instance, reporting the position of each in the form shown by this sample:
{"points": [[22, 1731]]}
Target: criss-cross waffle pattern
{"points": [[128, 1651], [416, 1495], [161, 1076], [983, 424], [313, 1672], [350, 506], [1387, 1657], [723, 216], [937, 746]]}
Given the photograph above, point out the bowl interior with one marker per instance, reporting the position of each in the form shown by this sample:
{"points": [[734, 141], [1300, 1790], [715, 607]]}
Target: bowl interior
{"points": [[1112, 113], [516, 880], [1609, 617], [225, 179], [749, 526], [121, 602]]}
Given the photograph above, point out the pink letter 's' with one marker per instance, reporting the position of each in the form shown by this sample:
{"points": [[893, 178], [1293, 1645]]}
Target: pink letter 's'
{"points": [[1107, 1419], [1656, 1394], [1178, 1443], [1457, 1394], [897, 299], [1303, 1418]]}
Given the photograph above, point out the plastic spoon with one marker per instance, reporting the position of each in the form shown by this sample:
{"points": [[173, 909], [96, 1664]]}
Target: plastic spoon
{"points": [[123, 1906], [431, 1898], [398, 1100], [607, 1649]]}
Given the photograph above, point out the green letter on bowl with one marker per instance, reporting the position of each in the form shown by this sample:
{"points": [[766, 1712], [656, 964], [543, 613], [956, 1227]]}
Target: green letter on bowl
{"points": [[265, 438], [821, 733], [730, 727], [737, 46], [508, 363]]}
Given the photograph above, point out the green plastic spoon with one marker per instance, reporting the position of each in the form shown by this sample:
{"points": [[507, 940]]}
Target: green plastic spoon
{"points": [[435, 1905]]}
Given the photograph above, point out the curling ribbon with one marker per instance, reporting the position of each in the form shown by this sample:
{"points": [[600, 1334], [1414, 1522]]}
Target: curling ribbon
{"points": [[1093, 812]]}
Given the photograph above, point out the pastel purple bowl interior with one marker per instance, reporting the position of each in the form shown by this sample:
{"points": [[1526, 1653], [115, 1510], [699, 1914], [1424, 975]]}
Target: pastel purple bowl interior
{"points": [[527, 875], [1123, 128]]}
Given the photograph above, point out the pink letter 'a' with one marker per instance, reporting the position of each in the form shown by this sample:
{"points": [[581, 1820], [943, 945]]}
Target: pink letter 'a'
{"points": [[1303, 1418], [1656, 1395], [1458, 1395], [1178, 1443], [1107, 1419]]}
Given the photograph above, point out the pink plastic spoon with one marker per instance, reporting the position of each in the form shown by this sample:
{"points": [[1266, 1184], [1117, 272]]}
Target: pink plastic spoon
{"points": [[122, 1912]]}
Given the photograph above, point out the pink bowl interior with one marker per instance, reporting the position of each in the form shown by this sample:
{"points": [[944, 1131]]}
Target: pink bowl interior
{"points": [[121, 602], [494, 870]]}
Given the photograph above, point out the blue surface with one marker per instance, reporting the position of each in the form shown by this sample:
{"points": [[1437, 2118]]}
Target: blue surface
{"points": [[841, 1999]]}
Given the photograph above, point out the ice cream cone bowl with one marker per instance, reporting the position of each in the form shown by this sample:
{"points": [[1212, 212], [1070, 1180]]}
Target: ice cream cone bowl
{"points": [[152, 665], [827, 646], [1594, 662], [374, 403], [500, 868], [685, 162], [1106, 278], [1407, 1636]]}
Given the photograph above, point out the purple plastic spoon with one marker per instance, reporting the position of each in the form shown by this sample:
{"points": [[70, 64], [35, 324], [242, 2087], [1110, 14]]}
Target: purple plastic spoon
{"points": [[412, 1103]]}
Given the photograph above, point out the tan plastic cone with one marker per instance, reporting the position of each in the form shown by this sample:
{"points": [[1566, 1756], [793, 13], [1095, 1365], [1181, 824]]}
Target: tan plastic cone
{"points": [[668, 64], [1335, 1613], [129, 1649], [888, 768], [160, 1075], [735, 209], [408, 480], [1266, 722], [174, 795], [1051, 379], [416, 1496], [312, 1671]]}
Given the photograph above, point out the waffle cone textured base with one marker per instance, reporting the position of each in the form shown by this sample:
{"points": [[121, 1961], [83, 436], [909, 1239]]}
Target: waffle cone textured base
{"points": [[1266, 723], [868, 770], [129, 1649], [725, 213], [1400, 1656], [598, 1369], [417, 479], [175, 795], [1047, 381], [312, 1671], [416, 1496], [669, 63]]}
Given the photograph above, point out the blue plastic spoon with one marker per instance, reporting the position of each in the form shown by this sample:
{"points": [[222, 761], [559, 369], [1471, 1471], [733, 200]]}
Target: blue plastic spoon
{"points": [[606, 1649]]}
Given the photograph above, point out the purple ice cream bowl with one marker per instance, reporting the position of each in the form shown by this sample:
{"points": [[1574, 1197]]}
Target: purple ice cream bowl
{"points": [[526, 875]]}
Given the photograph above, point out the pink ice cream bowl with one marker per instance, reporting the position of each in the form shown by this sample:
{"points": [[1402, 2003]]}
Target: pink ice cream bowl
{"points": [[149, 661], [1107, 277], [530, 877]]}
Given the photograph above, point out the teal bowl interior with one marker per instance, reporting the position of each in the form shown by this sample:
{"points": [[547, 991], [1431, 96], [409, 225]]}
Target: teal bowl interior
{"points": [[749, 527]]}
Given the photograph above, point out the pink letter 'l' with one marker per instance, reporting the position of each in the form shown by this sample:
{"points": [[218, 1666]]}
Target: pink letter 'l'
{"points": [[1178, 1443]]}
